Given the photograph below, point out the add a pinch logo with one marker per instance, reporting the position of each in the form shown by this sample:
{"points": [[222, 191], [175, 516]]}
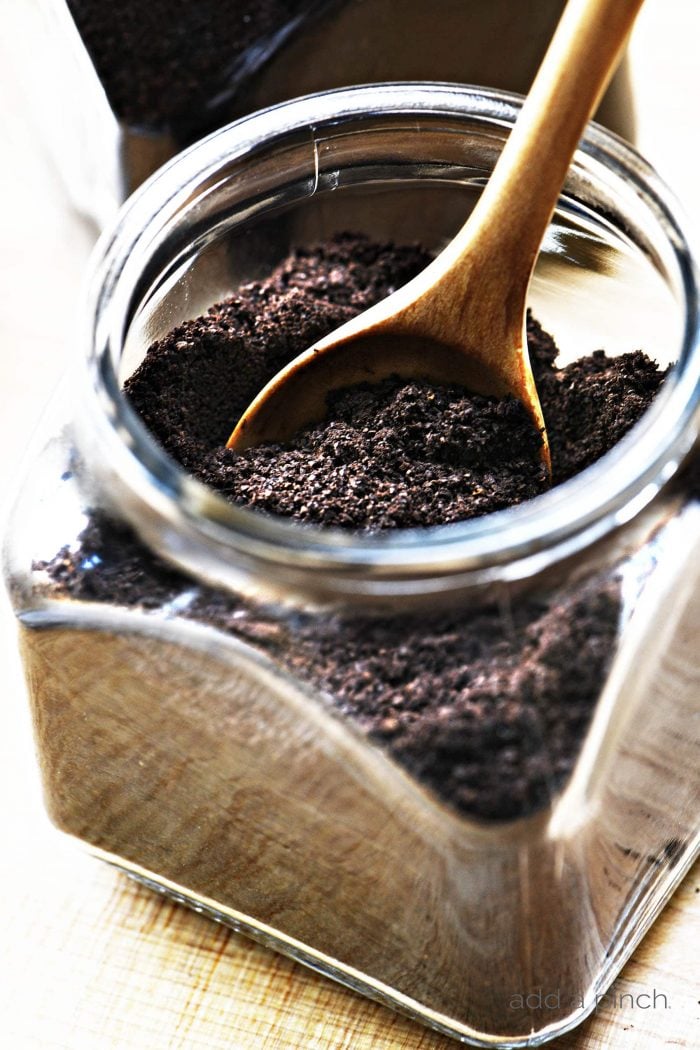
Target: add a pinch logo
{"points": [[559, 999]]}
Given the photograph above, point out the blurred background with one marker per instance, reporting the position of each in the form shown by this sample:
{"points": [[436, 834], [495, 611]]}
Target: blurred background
{"points": [[71, 929]]}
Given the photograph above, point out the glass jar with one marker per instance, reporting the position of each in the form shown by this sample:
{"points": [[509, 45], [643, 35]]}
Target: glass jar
{"points": [[190, 734], [133, 83]]}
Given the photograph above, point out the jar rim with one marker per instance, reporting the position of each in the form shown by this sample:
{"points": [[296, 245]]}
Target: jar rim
{"points": [[206, 534]]}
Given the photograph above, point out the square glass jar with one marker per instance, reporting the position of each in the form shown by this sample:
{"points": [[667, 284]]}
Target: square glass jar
{"points": [[190, 737]]}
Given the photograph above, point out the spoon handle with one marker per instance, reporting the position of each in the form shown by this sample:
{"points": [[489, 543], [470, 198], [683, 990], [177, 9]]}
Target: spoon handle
{"points": [[512, 214]]}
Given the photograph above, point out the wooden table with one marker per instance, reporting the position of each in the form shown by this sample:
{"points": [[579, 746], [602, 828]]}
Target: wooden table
{"points": [[92, 961]]}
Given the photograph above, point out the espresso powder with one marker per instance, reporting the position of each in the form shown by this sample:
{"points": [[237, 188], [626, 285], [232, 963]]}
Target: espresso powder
{"points": [[392, 455], [170, 65], [487, 706]]}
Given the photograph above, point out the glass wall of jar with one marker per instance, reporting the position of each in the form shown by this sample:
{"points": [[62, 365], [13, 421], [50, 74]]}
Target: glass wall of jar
{"points": [[133, 83], [193, 667]]}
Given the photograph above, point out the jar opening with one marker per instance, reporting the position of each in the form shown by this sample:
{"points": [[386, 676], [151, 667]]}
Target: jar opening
{"points": [[362, 137]]}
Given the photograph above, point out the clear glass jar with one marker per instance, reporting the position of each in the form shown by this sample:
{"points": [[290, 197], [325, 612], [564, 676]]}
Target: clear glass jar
{"points": [[133, 83], [190, 737]]}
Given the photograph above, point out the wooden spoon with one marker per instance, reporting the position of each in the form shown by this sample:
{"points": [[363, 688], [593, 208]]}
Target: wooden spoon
{"points": [[462, 320]]}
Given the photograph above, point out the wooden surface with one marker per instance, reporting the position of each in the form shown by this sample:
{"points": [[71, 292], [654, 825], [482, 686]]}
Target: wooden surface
{"points": [[90, 960], [97, 961]]}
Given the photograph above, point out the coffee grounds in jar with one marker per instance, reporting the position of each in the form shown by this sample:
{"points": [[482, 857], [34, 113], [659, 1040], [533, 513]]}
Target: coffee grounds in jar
{"points": [[485, 706], [396, 454], [391, 455], [165, 65]]}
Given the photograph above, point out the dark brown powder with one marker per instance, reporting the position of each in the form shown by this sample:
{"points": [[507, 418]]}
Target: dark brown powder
{"points": [[487, 709], [388, 456], [170, 64], [392, 455], [486, 706]]}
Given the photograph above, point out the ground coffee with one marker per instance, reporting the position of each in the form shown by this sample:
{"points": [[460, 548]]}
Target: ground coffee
{"points": [[393, 455], [171, 65], [485, 705]]}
